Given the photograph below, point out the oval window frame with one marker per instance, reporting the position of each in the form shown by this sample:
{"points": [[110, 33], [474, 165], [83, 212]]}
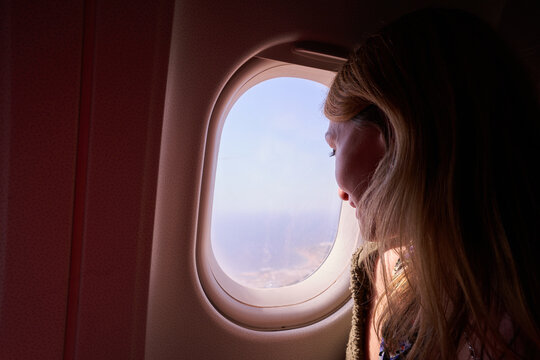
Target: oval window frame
{"points": [[292, 306]]}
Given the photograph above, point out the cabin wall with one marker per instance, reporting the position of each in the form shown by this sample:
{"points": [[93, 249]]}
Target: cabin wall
{"points": [[82, 93], [40, 65], [127, 77]]}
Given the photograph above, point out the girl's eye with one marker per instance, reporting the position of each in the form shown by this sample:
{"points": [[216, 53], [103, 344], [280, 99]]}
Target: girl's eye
{"points": [[332, 152]]}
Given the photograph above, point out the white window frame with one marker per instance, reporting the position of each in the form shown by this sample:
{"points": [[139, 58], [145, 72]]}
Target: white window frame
{"points": [[292, 306]]}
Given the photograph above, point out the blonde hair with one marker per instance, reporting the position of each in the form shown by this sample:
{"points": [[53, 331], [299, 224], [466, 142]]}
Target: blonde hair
{"points": [[456, 191]]}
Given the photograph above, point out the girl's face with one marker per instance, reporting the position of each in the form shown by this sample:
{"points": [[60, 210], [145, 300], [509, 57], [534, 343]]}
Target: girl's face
{"points": [[358, 148]]}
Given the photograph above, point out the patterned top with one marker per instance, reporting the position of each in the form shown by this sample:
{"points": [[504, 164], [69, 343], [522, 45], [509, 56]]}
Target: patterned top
{"points": [[399, 354], [405, 346]]}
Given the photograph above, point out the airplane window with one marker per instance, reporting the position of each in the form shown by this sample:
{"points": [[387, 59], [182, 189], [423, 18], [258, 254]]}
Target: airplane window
{"points": [[275, 211]]}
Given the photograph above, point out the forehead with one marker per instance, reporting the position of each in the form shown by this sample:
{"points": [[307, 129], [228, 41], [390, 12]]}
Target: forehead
{"points": [[335, 128], [366, 111]]}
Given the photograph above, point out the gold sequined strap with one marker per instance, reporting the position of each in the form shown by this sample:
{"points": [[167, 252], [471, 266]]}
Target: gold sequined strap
{"points": [[362, 261]]}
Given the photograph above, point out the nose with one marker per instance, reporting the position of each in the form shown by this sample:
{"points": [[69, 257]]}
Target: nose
{"points": [[343, 195]]}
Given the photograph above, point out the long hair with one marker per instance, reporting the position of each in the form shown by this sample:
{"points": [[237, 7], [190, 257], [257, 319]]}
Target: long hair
{"points": [[457, 191]]}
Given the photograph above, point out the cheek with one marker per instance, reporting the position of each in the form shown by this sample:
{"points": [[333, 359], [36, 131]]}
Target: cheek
{"points": [[339, 173], [354, 168], [347, 174]]}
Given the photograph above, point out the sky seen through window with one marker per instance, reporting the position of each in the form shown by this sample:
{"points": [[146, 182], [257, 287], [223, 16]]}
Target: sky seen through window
{"points": [[275, 207]]}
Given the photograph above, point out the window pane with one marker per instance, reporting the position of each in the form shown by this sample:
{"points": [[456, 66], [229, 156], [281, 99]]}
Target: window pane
{"points": [[275, 209]]}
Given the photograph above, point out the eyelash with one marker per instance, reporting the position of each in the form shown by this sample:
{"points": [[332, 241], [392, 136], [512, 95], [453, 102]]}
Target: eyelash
{"points": [[332, 152]]}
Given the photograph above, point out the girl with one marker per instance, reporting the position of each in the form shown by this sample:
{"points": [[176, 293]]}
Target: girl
{"points": [[435, 130]]}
